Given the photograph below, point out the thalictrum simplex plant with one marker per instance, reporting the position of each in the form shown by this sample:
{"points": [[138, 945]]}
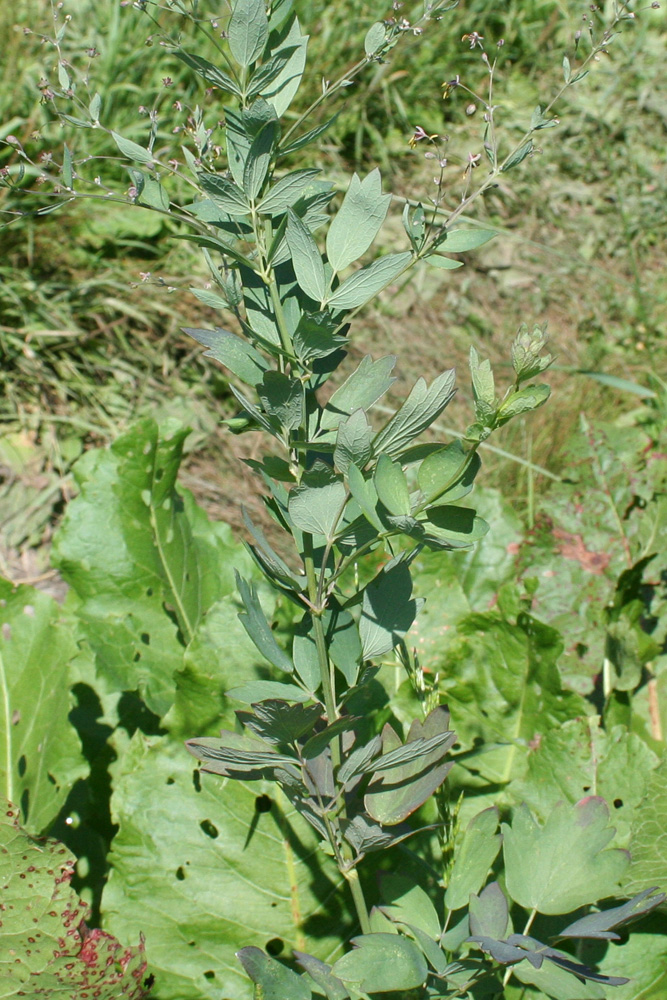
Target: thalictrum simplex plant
{"points": [[355, 501]]}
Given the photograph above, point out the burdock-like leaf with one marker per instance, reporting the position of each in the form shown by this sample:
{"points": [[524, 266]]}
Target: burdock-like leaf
{"points": [[648, 842], [40, 754], [562, 865], [204, 867], [48, 951], [132, 543]]}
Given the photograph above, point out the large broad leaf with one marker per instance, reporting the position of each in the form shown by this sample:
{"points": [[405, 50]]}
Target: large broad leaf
{"points": [[41, 756], [220, 654], [510, 668], [132, 545], [579, 759], [204, 867], [565, 864], [48, 950], [648, 842], [358, 220], [466, 580]]}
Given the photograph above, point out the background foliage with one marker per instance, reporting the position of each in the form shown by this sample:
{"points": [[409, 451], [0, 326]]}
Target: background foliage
{"points": [[554, 623]]}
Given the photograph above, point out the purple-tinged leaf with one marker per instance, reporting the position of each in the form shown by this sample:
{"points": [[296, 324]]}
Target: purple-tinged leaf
{"points": [[599, 925]]}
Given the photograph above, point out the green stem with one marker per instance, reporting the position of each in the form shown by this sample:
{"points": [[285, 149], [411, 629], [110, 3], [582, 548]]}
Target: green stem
{"points": [[529, 924]]}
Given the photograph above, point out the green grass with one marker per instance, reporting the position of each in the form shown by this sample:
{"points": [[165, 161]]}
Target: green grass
{"points": [[86, 346]]}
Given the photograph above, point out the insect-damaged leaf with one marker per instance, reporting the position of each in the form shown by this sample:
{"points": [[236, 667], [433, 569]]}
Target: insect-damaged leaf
{"points": [[40, 755], [50, 951], [236, 853]]}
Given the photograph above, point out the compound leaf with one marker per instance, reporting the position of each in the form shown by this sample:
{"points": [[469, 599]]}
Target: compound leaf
{"points": [[381, 963], [186, 848], [558, 867], [358, 220]]}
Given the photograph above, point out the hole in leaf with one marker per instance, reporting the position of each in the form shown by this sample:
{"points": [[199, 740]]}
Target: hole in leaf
{"points": [[159, 473], [180, 873], [136, 657], [25, 803], [149, 592], [196, 779], [209, 975], [586, 788], [145, 638], [263, 804], [275, 946], [22, 765], [209, 829], [170, 781], [618, 803], [191, 944], [52, 780], [149, 981]]}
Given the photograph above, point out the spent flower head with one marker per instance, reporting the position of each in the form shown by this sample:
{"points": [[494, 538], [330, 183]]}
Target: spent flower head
{"points": [[420, 134]]}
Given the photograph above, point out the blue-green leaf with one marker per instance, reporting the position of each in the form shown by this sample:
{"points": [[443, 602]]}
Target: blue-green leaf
{"points": [[365, 284], [358, 220], [306, 258], [248, 31]]}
